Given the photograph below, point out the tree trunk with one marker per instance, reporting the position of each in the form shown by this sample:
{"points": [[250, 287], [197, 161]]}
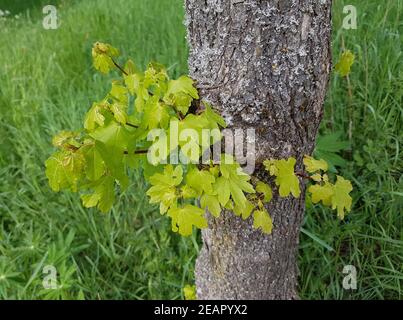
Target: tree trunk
{"points": [[263, 64]]}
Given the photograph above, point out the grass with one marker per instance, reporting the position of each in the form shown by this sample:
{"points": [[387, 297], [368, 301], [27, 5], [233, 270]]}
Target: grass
{"points": [[47, 84]]}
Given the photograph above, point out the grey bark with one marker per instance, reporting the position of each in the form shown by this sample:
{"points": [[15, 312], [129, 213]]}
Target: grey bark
{"points": [[262, 64]]}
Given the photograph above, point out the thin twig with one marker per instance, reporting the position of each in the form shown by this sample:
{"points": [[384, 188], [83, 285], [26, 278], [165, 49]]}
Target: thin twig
{"points": [[137, 151], [119, 67], [302, 175]]}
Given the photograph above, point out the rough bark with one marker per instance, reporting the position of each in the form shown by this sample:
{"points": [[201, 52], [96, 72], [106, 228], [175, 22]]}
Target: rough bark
{"points": [[262, 64]]}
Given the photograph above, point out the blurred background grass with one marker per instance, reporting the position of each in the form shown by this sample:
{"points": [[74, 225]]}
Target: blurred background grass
{"points": [[47, 83]]}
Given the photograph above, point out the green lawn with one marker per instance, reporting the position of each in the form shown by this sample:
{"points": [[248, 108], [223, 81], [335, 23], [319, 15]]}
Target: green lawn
{"points": [[47, 83]]}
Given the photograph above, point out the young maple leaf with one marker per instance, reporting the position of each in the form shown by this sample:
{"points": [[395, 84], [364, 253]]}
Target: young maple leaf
{"points": [[341, 198], [286, 178], [343, 67], [262, 219], [200, 180], [102, 54], [322, 193], [184, 218], [313, 165]]}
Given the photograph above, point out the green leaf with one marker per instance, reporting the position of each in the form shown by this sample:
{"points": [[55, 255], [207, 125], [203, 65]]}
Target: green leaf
{"points": [[316, 177], [103, 63], [119, 112], [111, 142], [343, 66], [183, 219], [237, 194], [156, 114], [95, 166], [113, 159], [262, 219], [94, 116], [133, 82], [155, 74], [142, 96], [114, 136], [214, 119], [130, 67], [234, 180], [64, 169], [270, 166], [180, 93], [103, 195], [119, 92], [56, 171], [332, 143]]}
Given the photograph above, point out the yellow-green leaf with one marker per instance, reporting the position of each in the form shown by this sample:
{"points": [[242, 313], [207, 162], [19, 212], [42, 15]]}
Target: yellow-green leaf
{"points": [[222, 188], [119, 112], [102, 54], [286, 178], [183, 219], [64, 169], [211, 203], [188, 192], [189, 292], [322, 193], [270, 166], [164, 195], [180, 93], [262, 219], [155, 114], [132, 82], [103, 194], [63, 137], [313, 165], [245, 211], [94, 116], [316, 177], [265, 189], [341, 200], [343, 66], [95, 166], [171, 176], [200, 180]]}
